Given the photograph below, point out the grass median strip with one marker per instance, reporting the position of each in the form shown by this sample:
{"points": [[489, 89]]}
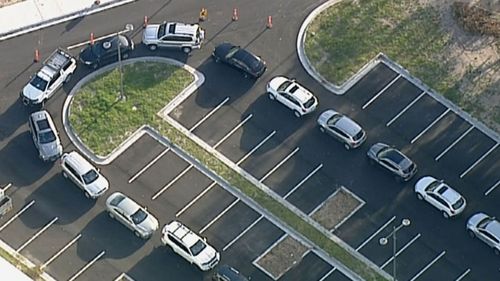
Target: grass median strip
{"points": [[97, 116]]}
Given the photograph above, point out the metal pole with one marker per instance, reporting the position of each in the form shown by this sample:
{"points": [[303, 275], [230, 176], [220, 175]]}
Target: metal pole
{"points": [[394, 230], [122, 95]]}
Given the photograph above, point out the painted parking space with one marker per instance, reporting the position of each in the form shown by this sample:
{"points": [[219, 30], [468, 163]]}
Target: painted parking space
{"points": [[375, 80], [311, 266]]}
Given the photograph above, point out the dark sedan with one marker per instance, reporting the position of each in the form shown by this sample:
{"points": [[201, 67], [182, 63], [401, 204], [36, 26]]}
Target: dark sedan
{"points": [[106, 50], [248, 63]]}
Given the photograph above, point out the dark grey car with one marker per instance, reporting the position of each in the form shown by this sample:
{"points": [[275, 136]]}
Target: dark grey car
{"points": [[392, 160], [227, 273]]}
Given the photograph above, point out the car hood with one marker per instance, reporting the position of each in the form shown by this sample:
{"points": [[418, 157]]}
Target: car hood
{"points": [[423, 183], [150, 224], [276, 82], [325, 116], [32, 93], [86, 55], [151, 32], [222, 49], [100, 185], [50, 149], [206, 255], [475, 219]]}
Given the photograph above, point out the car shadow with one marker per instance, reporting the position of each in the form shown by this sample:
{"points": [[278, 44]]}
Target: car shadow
{"points": [[57, 197], [105, 233], [162, 262], [12, 119]]}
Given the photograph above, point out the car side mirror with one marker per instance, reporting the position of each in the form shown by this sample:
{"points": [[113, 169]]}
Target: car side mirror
{"points": [[205, 239]]}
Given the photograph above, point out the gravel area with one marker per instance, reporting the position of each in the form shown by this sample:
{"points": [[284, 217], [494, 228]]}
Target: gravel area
{"points": [[336, 208]]}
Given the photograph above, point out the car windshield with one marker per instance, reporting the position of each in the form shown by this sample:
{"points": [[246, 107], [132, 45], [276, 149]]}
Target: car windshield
{"points": [[117, 199], [392, 154], [309, 103], [47, 137], [284, 86], [484, 222], [161, 30], [139, 216], [232, 51], [460, 202], [198, 247], [433, 185], [90, 176], [38, 83], [331, 122]]}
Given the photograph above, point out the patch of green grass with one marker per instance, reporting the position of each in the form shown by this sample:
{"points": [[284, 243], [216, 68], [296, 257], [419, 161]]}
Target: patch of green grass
{"points": [[103, 121], [102, 124], [346, 36]]}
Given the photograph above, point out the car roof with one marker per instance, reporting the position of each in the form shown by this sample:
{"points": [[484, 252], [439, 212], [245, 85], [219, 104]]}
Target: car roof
{"points": [[181, 28], [183, 233], [42, 120], [300, 93], [448, 193], [78, 162], [396, 157], [347, 125], [494, 228], [230, 273]]}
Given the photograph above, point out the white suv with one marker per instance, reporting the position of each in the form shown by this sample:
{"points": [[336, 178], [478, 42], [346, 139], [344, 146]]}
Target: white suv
{"points": [[173, 35], [45, 136], [440, 195], [84, 175], [189, 245], [293, 95]]}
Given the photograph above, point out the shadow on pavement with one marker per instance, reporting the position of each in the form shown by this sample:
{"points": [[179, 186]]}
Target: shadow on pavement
{"points": [[12, 119]]}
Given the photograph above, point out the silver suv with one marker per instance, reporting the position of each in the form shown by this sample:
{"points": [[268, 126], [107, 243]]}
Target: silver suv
{"points": [[45, 136], [392, 160], [485, 228], [341, 128], [84, 175], [173, 35]]}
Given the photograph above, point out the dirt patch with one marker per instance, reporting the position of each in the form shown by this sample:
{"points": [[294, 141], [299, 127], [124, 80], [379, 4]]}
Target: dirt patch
{"points": [[282, 257], [4, 3], [336, 209]]}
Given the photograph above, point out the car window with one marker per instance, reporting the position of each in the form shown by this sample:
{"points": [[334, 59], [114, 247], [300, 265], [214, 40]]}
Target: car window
{"points": [[458, 204], [54, 79], [198, 247], [162, 29], [490, 236], [309, 103], [47, 137], [284, 86], [38, 83], [439, 200], [433, 185], [139, 216], [232, 51], [90, 176], [168, 38], [118, 198], [333, 120], [484, 222], [388, 164], [176, 242], [72, 171]]}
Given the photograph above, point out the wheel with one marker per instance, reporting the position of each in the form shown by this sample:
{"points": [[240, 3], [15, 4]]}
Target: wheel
{"points": [[445, 215], [297, 114], [420, 197], [322, 129], [67, 78], [111, 215], [65, 175], [186, 50], [271, 96], [497, 252], [245, 75], [137, 234], [125, 56], [152, 47], [471, 233], [347, 146], [88, 195]]}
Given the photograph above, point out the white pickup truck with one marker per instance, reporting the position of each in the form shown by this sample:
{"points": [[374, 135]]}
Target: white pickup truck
{"points": [[56, 70]]}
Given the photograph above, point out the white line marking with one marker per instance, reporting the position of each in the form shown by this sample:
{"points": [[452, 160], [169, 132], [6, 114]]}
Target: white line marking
{"points": [[242, 233], [38, 233], [255, 148], [404, 110], [427, 266], [488, 191], [6, 187], [149, 165], [454, 143], [17, 215], [56, 255], [279, 165], [375, 233], [430, 125], [219, 215], [327, 274], [196, 199], [381, 92], [303, 181], [478, 160], [256, 260], [233, 130], [89, 264], [172, 182], [361, 204], [463, 275], [401, 250], [209, 114]]}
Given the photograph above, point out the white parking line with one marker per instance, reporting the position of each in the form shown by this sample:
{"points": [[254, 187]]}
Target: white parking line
{"points": [[404, 110], [219, 215], [430, 125], [233, 130], [303, 180], [148, 165], [38, 233], [172, 182], [196, 199], [6, 187], [488, 191], [454, 143], [381, 92], [209, 114], [89, 264], [20, 212], [478, 160], [56, 255], [279, 165], [270, 248], [375, 233], [401, 250], [256, 147], [463, 275], [327, 274], [242, 233], [427, 266]]}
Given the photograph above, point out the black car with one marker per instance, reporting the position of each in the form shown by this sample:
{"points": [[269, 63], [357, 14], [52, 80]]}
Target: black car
{"points": [[106, 50], [250, 64], [227, 273]]}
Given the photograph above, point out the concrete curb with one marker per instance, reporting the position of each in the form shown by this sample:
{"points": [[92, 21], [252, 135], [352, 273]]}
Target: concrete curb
{"points": [[105, 160], [53, 21]]}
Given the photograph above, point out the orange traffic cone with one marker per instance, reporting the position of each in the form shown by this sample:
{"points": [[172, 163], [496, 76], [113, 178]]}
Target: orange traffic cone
{"points": [[269, 22], [91, 38], [235, 14], [145, 21], [37, 56]]}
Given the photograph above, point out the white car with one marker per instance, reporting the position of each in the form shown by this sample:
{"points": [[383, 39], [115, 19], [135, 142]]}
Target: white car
{"points": [[292, 95], [440, 195], [132, 215], [84, 175], [486, 228], [189, 245], [342, 128]]}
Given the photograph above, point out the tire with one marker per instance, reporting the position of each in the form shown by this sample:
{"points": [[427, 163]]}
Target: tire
{"points": [[445, 215], [420, 197], [87, 195], [471, 233], [186, 50], [137, 234], [68, 78], [271, 96], [245, 75], [297, 114], [65, 175], [347, 147], [321, 129], [111, 215], [152, 47]]}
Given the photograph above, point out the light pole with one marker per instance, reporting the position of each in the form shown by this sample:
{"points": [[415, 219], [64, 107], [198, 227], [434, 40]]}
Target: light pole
{"points": [[128, 27], [383, 241]]}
